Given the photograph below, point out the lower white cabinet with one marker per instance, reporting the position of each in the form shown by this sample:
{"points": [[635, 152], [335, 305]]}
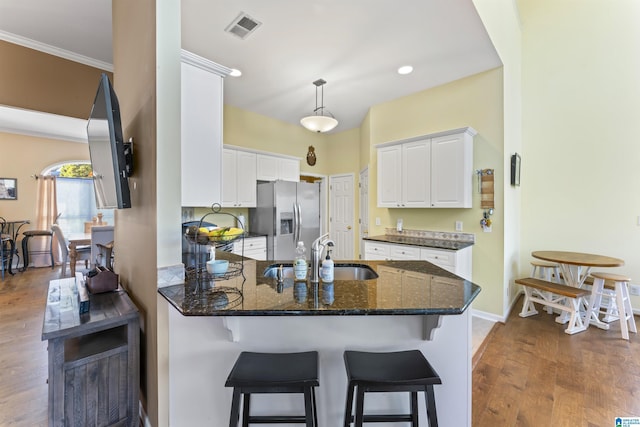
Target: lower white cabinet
{"points": [[254, 247], [374, 251], [458, 262]]}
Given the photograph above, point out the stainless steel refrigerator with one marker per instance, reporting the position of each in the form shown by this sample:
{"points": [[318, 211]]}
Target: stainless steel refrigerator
{"points": [[287, 212]]}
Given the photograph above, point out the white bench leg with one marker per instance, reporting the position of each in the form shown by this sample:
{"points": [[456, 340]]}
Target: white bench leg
{"points": [[575, 322], [528, 308], [545, 273]]}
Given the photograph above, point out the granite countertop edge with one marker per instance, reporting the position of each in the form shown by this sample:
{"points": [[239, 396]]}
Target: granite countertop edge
{"points": [[465, 294], [421, 241]]}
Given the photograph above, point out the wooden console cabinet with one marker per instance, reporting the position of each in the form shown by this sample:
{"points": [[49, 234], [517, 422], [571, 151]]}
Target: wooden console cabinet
{"points": [[94, 358]]}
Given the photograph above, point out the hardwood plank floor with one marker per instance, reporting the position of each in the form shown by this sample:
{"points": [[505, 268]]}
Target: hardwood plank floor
{"points": [[533, 374], [23, 356], [530, 373]]}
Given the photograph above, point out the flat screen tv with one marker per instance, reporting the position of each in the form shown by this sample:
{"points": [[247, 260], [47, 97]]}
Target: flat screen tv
{"points": [[111, 157]]}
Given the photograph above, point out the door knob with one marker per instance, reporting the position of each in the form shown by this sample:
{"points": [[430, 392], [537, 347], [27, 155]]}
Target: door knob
{"points": [[348, 227]]}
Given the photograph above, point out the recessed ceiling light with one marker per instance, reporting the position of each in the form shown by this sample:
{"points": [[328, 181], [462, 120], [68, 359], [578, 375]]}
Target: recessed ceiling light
{"points": [[235, 72], [405, 69]]}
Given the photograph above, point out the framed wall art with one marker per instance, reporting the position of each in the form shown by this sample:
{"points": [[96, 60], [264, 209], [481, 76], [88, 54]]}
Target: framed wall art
{"points": [[8, 189], [515, 169]]}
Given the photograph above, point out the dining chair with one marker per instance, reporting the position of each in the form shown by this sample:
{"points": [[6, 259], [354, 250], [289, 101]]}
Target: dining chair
{"points": [[100, 236], [7, 248], [5, 253], [84, 252]]}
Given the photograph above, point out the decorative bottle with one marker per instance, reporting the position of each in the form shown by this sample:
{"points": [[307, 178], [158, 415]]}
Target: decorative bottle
{"points": [[300, 262], [327, 269]]}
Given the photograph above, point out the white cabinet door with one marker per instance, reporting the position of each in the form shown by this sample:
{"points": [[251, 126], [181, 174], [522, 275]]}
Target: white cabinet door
{"points": [[416, 174], [246, 177], [201, 136], [267, 168], [272, 168], [229, 172], [289, 169], [451, 171], [390, 177], [433, 171], [239, 179]]}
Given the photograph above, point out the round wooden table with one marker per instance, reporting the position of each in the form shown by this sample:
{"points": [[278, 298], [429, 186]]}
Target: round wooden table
{"points": [[575, 267]]}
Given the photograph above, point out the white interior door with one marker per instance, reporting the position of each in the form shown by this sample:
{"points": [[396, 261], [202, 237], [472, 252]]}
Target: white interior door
{"points": [[364, 208], [341, 218]]}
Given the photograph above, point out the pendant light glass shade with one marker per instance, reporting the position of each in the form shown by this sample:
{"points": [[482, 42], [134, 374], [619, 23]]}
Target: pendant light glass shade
{"points": [[321, 120], [319, 123]]}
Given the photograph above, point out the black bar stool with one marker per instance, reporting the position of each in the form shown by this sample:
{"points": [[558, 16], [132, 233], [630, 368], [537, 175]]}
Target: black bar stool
{"points": [[274, 373], [25, 246], [402, 371]]}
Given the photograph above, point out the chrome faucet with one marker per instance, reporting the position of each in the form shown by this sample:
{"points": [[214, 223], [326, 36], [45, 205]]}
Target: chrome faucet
{"points": [[316, 255]]}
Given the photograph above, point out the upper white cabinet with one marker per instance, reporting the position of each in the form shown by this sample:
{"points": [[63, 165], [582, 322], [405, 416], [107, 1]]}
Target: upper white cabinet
{"points": [[273, 168], [239, 183], [201, 130], [403, 178], [431, 171]]}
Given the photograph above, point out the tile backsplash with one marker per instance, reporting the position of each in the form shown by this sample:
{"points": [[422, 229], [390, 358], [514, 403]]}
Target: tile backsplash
{"points": [[426, 234]]}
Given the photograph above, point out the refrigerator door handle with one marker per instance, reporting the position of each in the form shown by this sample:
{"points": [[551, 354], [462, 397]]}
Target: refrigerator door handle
{"points": [[300, 225], [295, 230]]}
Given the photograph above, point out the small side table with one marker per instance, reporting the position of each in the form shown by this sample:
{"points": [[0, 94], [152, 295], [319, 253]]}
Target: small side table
{"points": [[94, 357]]}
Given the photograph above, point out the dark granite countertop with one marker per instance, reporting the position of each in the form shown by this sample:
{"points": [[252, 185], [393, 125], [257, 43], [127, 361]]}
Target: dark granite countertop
{"points": [[402, 288], [421, 241]]}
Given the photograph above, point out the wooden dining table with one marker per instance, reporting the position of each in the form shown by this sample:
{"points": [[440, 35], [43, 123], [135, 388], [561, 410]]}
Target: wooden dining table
{"points": [[76, 240], [575, 267]]}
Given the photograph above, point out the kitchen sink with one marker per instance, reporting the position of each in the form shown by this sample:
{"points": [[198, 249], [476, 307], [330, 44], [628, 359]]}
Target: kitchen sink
{"points": [[340, 272]]}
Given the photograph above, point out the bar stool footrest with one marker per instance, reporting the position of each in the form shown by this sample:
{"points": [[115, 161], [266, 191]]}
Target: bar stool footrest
{"points": [[275, 419]]}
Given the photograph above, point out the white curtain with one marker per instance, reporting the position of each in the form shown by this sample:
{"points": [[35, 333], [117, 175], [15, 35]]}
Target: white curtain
{"points": [[46, 215]]}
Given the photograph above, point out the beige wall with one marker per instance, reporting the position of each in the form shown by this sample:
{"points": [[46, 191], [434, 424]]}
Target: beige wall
{"points": [[134, 52], [243, 128], [581, 98], [42, 82], [25, 156]]}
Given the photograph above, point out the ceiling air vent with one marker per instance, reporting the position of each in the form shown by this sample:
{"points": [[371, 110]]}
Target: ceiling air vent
{"points": [[242, 26]]}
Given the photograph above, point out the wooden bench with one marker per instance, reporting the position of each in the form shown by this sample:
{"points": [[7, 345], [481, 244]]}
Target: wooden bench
{"points": [[563, 297]]}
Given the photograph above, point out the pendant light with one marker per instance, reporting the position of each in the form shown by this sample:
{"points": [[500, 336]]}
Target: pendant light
{"points": [[321, 120]]}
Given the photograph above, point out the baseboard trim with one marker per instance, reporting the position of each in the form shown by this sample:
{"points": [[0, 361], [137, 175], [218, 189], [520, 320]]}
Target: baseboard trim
{"points": [[483, 346], [487, 316]]}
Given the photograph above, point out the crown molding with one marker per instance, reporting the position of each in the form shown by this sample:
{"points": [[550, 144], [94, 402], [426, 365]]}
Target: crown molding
{"points": [[52, 50], [204, 63], [44, 125]]}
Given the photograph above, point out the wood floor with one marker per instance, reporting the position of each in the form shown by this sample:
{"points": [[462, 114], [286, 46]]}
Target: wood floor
{"points": [[23, 356], [533, 374], [530, 374]]}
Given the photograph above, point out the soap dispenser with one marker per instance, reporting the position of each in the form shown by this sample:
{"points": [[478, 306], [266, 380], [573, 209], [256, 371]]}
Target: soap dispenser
{"points": [[327, 269]]}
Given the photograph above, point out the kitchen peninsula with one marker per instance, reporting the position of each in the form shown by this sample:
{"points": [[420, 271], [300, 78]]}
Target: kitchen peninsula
{"points": [[410, 305]]}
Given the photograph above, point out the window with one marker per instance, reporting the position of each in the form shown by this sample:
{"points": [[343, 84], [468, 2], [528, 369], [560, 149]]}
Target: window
{"points": [[75, 196]]}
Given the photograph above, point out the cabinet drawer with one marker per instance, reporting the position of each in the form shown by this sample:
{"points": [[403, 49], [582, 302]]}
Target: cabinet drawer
{"points": [[444, 259], [405, 252], [250, 244], [255, 247], [376, 251]]}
